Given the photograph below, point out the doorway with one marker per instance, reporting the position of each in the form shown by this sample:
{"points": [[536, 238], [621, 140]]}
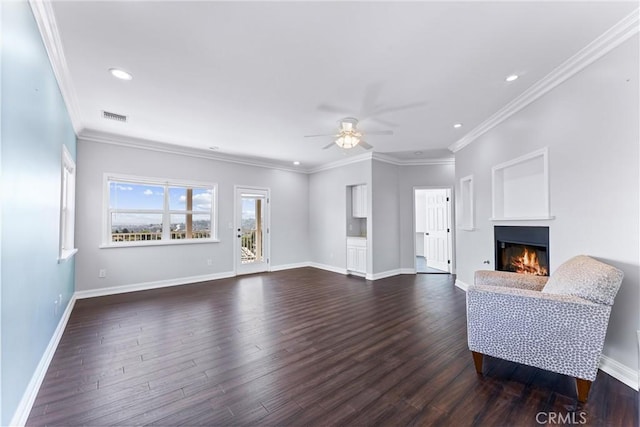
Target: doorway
{"points": [[252, 230], [432, 230]]}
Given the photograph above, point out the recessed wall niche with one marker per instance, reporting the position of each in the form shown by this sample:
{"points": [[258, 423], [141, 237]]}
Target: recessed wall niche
{"points": [[520, 188], [466, 203]]}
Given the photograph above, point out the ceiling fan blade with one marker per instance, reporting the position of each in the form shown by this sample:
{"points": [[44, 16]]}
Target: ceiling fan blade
{"points": [[370, 99], [383, 122], [320, 134], [398, 108], [330, 145], [365, 145], [379, 132], [333, 109]]}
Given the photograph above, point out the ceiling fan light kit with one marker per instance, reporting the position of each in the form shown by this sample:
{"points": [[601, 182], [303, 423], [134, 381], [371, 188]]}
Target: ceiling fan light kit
{"points": [[347, 140], [349, 136]]}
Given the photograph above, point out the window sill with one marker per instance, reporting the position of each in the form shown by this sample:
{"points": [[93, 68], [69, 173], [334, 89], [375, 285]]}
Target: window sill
{"points": [[66, 255], [157, 243]]}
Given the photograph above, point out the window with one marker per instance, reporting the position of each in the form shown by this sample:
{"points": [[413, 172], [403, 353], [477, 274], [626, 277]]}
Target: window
{"points": [[148, 211], [67, 206]]}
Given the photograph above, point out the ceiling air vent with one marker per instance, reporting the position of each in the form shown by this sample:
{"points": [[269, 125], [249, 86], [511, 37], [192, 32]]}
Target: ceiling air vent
{"points": [[114, 116]]}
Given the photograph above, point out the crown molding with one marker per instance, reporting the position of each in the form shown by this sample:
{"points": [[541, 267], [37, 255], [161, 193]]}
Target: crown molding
{"points": [[606, 42], [386, 159], [145, 144], [46, 20], [412, 162], [342, 162]]}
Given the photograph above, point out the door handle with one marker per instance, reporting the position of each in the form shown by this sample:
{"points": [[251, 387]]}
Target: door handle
{"points": [[426, 234]]}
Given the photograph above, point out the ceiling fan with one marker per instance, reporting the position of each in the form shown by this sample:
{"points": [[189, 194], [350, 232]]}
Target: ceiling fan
{"points": [[349, 135]]}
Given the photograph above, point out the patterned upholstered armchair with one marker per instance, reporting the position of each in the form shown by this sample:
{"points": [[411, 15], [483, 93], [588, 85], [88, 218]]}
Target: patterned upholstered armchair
{"points": [[557, 324]]}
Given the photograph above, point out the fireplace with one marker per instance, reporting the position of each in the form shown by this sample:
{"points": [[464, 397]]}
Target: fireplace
{"points": [[523, 250]]}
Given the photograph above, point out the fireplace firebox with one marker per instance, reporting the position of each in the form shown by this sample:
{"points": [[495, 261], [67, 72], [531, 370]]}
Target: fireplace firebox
{"points": [[523, 250]]}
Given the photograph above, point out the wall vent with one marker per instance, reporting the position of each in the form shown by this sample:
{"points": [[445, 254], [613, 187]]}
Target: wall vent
{"points": [[114, 116]]}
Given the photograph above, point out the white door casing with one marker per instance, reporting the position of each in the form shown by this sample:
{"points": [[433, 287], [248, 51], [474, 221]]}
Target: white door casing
{"points": [[252, 230]]}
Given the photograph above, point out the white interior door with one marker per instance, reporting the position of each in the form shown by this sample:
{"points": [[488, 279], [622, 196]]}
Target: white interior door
{"points": [[252, 230], [437, 229]]}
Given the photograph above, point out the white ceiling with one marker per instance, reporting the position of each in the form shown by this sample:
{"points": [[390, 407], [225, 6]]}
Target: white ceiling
{"points": [[253, 78]]}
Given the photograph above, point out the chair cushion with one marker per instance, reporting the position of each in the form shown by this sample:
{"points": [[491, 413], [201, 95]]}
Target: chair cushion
{"points": [[587, 278]]}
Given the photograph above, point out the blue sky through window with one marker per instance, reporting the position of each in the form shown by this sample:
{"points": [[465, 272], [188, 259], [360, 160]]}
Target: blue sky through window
{"points": [[135, 196], [143, 197]]}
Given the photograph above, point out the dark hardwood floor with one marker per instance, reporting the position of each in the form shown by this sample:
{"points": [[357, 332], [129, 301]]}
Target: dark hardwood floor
{"points": [[299, 347]]}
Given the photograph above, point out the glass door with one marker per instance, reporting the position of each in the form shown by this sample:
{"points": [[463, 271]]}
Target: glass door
{"points": [[252, 231]]}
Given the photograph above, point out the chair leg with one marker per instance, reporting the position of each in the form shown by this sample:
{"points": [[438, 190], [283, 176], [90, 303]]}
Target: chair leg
{"points": [[477, 361], [583, 387]]}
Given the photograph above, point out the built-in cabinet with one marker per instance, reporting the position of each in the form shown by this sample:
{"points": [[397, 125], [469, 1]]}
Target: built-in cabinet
{"points": [[357, 254], [359, 201]]}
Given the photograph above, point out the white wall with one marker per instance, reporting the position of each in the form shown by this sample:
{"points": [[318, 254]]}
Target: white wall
{"points": [[442, 176], [390, 222], [135, 265], [590, 124], [385, 245], [327, 212]]}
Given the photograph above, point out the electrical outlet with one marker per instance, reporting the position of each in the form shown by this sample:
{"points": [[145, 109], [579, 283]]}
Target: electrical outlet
{"points": [[209, 262], [102, 273]]}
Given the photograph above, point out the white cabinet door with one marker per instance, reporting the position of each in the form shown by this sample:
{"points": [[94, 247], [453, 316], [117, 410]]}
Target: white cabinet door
{"points": [[355, 201], [363, 201], [352, 258], [362, 260], [359, 201], [357, 255]]}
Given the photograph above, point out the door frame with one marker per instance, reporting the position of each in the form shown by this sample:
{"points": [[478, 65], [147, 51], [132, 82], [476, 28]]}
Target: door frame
{"points": [[236, 224], [451, 209]]}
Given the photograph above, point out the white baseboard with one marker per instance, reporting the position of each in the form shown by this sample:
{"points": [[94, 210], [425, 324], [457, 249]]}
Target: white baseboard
{"points": [[290, 266], [328, 268], [152, 285], [375, 276], [460, 284], [30, 394], [384, 274], [621, 372]]}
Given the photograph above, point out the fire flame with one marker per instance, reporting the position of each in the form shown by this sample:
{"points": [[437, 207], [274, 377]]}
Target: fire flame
{"points": [[528, 263]]}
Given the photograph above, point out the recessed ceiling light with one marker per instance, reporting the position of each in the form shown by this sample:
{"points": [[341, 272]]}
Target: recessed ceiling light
{"points": [[457, 125], [296, 163], [417, 153], [120, 74], [512, 77]]}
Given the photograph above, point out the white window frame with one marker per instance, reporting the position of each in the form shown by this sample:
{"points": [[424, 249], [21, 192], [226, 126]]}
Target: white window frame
{"points": [[67, 247], [165, 212]]}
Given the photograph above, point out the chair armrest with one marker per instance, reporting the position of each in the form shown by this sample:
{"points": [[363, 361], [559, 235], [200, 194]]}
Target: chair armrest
{"points": [[510, 280], [559, 333]]}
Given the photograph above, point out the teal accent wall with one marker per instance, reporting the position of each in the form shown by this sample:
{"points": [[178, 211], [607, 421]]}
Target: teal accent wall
{"points": [[34, 124]]}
